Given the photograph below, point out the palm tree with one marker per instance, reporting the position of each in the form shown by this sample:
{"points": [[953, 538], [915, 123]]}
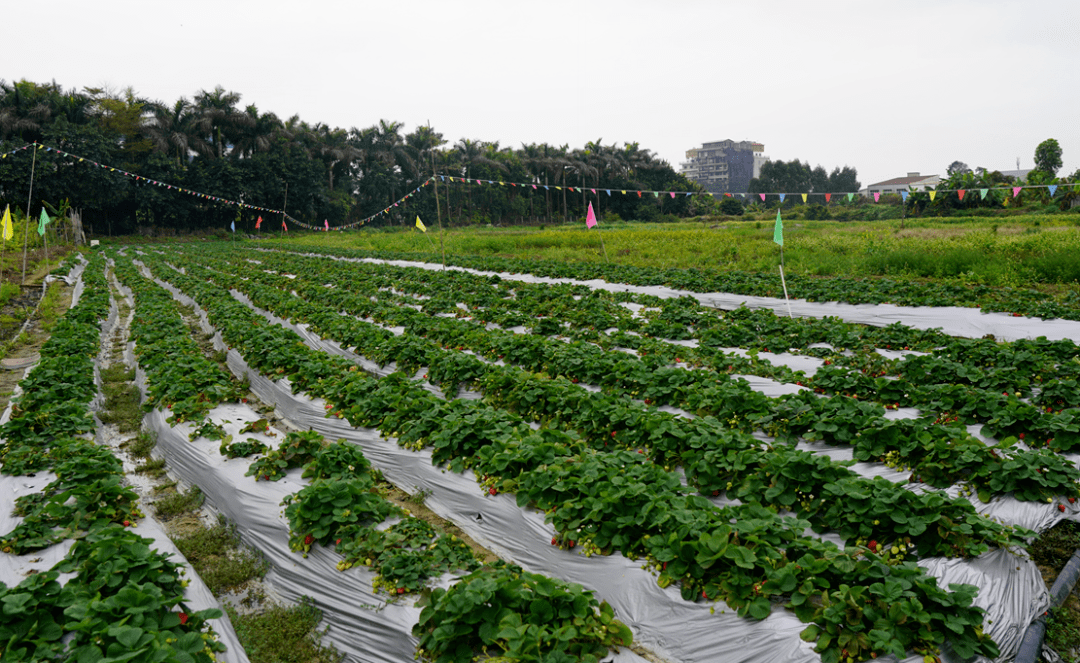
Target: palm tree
{"points": [[258, 135], [219, 119], [173, 130]]}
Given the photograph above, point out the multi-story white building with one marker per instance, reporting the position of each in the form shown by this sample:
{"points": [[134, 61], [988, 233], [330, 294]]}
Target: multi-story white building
{"points": [[724, 166]]}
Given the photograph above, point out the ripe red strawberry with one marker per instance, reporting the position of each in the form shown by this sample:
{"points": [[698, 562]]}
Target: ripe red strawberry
{"points": [[703, 594], [400, 590], [872, 545], [554, 540], [1072, 500], [183, 617], [338, 542], [612, 433], [1021, 436], [493, 491], [1061, 507], [308, 540]]}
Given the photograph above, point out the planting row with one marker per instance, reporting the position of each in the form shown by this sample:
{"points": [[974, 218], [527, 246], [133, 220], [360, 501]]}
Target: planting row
{"points": [[815, 289], [937, 454], [125, 600], [966, 381], [342, 507], [620, 501]]}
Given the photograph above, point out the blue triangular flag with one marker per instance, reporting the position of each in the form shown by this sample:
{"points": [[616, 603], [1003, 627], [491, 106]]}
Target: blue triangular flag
{"points": [[233, 224], [608, 191], [781, 197], [1052, 188], [904, 195]]}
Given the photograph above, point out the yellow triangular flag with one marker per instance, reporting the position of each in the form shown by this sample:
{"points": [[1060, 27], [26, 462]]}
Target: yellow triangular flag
{"points": [[803, 197], [8, 231], [932, 194], [420, 224]]}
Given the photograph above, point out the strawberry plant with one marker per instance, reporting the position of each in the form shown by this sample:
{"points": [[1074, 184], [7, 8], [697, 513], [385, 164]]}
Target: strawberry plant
{"points": [[505, 611]]}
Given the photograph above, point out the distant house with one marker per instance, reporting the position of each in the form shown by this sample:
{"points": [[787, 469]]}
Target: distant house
{"points": [[897, 184], [1017, 174]]}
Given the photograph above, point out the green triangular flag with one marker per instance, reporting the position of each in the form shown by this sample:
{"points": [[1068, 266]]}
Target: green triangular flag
{"points": [[778, 233], [982, 194], [850, 196], [42, 221]]}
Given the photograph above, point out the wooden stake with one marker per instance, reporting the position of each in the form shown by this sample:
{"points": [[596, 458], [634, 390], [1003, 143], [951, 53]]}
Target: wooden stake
{"points": [[29, 196], [438, 208]]}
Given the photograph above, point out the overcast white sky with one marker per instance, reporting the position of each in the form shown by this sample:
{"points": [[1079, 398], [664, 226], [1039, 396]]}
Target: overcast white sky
{"points": [[886, 87]]}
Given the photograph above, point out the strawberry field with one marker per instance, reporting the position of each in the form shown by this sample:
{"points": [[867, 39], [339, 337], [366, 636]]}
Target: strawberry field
{"points": [[659, 477]]}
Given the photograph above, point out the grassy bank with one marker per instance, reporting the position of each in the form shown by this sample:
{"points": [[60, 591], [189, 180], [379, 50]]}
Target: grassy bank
{"points": [[1035, 251]]}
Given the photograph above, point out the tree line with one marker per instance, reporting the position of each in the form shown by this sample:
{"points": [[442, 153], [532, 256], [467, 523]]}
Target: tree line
{"points": [[212, 144]]}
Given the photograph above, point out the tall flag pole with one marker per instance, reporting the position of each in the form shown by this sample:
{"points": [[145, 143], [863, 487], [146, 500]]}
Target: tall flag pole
{"points": [[590, 221], [29, 196], [778, 237], [435, 188], [283, 207]]}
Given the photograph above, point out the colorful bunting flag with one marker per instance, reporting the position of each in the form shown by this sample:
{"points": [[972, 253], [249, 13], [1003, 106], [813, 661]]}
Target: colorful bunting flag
{"points": [[850, 196], [1052, 189], [420, 224], [960, 192], [283, 226], [762, 197], [877, 196], [804, 197], [233, 225], [933, 194], [778, 231], [828, 197], [904, 195], [982, 194], [9, 230], [258, 223], [42, 222], [326, 225], [590, 218], [1016, 191], [673, 193], [782, 197]]}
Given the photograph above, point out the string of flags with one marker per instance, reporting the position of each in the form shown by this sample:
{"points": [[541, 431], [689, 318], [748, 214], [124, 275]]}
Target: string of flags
{"points": [[1052, 188], [139, 178], [206, 196], [326, 227]]}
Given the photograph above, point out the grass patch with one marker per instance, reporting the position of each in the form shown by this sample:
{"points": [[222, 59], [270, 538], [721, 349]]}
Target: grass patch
{"points": [[154, 468], [178, 503], [219, 561], [52, 306], [1051, 551], [117, 373], [283, 635], [141, 445]]}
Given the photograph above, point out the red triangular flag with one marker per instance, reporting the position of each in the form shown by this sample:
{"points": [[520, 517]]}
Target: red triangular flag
{"points": [[960, 192], [828, 197]]}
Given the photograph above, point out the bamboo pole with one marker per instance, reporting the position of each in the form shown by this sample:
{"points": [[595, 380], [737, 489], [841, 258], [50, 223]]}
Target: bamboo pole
{"points": [[29, 197]]}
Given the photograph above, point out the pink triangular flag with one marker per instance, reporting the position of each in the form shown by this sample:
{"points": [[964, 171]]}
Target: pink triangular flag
{"points": [[590, 219], [762, 197], [877, 196], [960, 192], [593, 190], [672, 193], [1016, 191]]}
